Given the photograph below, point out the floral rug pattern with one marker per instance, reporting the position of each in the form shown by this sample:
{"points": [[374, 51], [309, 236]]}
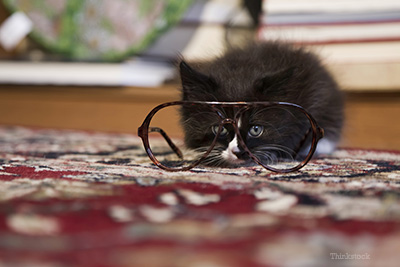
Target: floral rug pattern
{"points": [[74, 198]]}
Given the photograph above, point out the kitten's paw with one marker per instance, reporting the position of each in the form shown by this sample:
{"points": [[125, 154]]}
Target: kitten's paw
{"points": [[325, 146]]}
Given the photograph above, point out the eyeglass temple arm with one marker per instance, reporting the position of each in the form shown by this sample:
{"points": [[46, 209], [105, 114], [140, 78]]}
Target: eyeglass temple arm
{"points": [[169, 141]]}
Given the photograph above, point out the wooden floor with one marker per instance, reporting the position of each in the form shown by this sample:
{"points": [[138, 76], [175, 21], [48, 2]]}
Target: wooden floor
{"points": [[372, 119]]}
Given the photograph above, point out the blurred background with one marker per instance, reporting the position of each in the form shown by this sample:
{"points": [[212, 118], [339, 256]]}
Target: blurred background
{"points": [[102, 65]]}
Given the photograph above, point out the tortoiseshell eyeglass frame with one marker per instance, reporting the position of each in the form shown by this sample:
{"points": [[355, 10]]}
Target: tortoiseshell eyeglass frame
{"points": [[143, 131]]}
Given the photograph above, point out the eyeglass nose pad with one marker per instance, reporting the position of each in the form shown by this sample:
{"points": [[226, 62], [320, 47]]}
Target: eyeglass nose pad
{"points": [[219, 113]]}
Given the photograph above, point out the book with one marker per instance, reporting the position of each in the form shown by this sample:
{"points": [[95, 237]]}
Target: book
{"points": [[323, 21], [368, 66], [326, 6], [332, 33], [137, 72], [326, 18], [358, 40]]}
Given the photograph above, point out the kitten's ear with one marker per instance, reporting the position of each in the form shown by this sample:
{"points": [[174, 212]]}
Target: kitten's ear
{"points": [[274, 81], [195, 83]]}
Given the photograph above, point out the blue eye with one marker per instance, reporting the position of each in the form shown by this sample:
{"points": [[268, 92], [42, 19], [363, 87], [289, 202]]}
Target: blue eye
{"points": [[256, 131], [224, 131]]}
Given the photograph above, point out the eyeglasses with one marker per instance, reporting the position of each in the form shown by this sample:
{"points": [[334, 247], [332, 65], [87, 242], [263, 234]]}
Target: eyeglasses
{"points": [[279, 136]]}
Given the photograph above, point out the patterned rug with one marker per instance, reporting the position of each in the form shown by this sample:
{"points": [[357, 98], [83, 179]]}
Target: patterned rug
{"points": [[73, 198]]}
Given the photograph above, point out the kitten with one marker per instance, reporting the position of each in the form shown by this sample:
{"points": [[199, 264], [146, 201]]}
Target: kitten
{"points": [[270, 71]]}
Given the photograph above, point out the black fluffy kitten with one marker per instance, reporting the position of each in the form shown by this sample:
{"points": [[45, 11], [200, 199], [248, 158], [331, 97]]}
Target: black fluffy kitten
{"points": [[260, 72]]}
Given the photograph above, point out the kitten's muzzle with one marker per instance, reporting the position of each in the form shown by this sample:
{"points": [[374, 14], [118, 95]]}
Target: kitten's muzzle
{"points": [[241, 154]]}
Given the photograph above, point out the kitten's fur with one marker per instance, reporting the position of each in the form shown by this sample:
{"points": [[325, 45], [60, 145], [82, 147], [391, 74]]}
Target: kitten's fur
{"points": [[260, 72]]}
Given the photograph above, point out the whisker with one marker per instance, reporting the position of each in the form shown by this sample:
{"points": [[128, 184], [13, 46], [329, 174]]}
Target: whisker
{"points": [[271, 154], [214, 158], [276, 147]]}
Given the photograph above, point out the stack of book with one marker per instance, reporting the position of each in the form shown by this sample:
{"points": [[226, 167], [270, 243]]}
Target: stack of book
{"points": [[358, 39]]}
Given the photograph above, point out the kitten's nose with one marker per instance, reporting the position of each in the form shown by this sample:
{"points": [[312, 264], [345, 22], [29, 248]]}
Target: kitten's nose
{"points": [[240, 154]]}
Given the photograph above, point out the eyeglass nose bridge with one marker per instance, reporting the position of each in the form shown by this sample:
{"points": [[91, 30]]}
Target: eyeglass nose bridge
{"points": [[229, 121], [236, 115], [234, 121]]}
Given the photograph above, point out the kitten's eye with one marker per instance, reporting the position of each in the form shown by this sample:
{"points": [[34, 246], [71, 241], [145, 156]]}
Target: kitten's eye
{"points": [[224, 131], [256, 131]]}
